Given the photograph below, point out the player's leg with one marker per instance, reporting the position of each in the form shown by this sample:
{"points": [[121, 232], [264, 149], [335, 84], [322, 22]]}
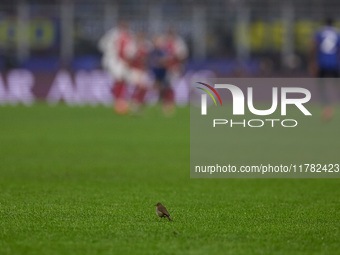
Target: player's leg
{"points": [[168, 98], [336, 82], [328, 110], [141, 82], [321, 88], [119, 89]]}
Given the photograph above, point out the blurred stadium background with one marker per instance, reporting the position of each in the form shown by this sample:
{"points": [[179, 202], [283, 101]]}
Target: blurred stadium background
{"points": [[80, 180], [228, 37]]}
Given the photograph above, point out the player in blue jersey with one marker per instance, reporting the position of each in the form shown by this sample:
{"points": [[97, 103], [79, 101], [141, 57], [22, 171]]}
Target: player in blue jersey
{"points": [[159, 64], [325, 62]]}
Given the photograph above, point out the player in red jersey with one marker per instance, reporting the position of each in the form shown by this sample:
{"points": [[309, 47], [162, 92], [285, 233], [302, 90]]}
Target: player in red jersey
{"points": [[137, 53], [177, 51], [113, 45]]}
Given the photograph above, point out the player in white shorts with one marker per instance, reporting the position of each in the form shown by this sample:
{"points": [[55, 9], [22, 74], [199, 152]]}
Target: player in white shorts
{"points": [[113, 46]]}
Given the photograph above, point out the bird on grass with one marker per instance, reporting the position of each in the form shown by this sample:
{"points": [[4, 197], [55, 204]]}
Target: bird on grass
{"points": [[161, 211]]}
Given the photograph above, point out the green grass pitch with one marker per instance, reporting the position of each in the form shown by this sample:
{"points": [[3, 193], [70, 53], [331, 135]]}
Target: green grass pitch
{"points": [[85, 181]]}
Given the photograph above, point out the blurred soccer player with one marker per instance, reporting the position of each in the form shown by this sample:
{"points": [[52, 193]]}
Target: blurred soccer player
{"points": [[325, 61], [178, 53], [137, 53], [158, 61], [113, 45]]}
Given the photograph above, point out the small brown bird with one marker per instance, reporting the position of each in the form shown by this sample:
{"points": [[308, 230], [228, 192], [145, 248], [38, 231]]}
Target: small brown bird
{"points": [[161, 211]]}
